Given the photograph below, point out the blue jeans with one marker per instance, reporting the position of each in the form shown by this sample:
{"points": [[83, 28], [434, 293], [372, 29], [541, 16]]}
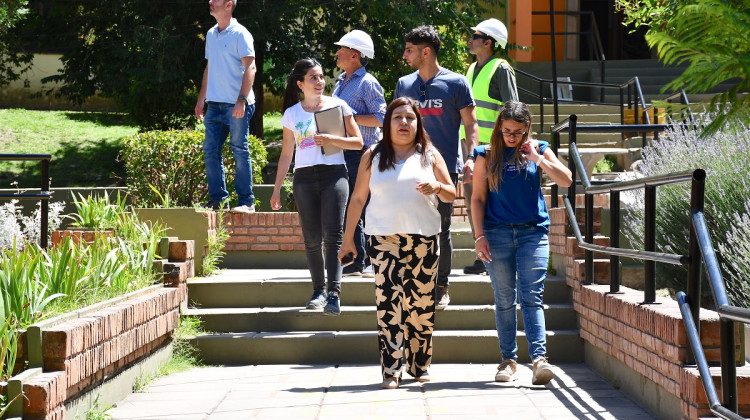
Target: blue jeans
{"points": [[519, 266], [353, 157], [219, 123], [320, 193]]}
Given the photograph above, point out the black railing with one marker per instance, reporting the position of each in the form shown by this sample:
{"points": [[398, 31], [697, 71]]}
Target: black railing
{"points": [[630, 94], [700, 252], [44, 193]]}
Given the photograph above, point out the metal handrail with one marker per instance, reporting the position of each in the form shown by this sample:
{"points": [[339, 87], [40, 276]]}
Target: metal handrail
{"points": [[700, 251], [44, 194]]}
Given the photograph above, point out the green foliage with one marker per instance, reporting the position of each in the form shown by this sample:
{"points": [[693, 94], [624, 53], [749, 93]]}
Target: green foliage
{"points": [[97, 411], [12, 63], [150, 59], [8, 349], [727, 204], [215, 248], [97, 212], [169, 164], [604, 165], [712, 37]]}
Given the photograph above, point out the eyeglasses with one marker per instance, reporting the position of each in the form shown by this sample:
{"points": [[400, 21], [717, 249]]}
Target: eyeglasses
{"points": [[422, 93], [513, 135], [480, 36]]}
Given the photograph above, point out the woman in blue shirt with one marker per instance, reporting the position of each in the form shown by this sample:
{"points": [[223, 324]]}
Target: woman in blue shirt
{"points": [[511, 223]]}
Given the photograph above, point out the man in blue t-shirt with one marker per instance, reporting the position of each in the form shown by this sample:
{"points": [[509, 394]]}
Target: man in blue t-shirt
{"points": [[445, 101], [227, 90]]}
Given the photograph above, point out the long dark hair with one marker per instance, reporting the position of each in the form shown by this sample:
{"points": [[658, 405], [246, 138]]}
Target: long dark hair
{"points": [[293, 93], [384, 148], [518, 112]]}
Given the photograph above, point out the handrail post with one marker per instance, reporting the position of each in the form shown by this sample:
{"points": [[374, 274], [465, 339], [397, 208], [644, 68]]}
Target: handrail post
{"points": [[541, 105], [571, 163], [589, 255], [614, 241], [554, 59], [697, 201], [728, 365], [44, 216], [554, 189], [649, 287]]}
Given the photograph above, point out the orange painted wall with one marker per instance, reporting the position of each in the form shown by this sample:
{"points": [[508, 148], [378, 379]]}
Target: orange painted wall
{"points": [[541, 23]]}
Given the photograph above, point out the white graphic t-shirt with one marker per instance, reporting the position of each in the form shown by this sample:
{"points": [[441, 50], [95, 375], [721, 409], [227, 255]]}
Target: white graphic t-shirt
{"points": [[302, 124]]}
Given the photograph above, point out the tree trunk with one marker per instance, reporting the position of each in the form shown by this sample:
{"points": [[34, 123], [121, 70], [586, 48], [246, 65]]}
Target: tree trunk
{"points": [[256, 122]]}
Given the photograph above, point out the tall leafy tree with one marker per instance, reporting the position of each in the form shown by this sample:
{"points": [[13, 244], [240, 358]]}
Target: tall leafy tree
{"points": [[12, 62], [712, 37], [149, 55]]}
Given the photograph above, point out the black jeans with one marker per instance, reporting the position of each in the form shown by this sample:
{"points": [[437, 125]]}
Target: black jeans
{"points": [[353, 158], [321, 192], [446, 246]]}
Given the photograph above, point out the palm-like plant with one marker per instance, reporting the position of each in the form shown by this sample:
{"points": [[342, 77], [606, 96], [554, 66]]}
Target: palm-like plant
{"points": [[713, 36]]}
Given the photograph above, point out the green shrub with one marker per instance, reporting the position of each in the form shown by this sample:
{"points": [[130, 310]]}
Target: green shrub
{"points": [[724, 156], [170, 164]]}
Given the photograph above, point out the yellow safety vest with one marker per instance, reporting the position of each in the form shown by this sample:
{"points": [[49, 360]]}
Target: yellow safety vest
{"points": [[486, 108]]}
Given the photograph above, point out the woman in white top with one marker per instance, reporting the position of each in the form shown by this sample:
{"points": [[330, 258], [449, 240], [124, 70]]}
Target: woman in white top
{"points": [[320, 186], [404, 175]]}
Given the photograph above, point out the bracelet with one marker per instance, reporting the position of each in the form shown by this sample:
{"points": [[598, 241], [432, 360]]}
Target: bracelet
{"points": [[440, 188], [478, 238], [540, 160]]}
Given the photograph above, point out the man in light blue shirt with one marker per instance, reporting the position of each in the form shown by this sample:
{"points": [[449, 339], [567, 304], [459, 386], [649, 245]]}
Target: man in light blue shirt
{"points": [[227, 91], [364, 95]]}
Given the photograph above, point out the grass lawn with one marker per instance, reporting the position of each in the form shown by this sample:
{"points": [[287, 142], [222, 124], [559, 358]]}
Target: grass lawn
{"points": [[84, 146]]}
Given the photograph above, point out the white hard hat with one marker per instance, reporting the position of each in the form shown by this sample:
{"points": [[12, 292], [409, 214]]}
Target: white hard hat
{"points": [[495, 29], [360, 41]]}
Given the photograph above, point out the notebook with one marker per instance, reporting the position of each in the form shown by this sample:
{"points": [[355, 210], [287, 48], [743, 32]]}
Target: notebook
{"points": [[331, 121]]}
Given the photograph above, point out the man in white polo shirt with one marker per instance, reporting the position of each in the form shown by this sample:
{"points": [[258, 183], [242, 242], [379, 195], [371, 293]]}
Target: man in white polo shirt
{"points": [[227, 91]]}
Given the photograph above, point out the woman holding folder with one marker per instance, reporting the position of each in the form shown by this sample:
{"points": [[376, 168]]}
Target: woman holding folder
{"points": [[320, 185]]}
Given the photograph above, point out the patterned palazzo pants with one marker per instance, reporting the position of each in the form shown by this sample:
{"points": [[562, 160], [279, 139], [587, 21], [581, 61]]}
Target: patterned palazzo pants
{"points": [[405, 269]]}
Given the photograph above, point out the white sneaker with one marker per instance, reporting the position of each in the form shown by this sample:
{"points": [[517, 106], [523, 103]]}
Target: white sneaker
{"points": [[389, 383], [506, 372], [244, 209], [367, 272], [542, 372]]}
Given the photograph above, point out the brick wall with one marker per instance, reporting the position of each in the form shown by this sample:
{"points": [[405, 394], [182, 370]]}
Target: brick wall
{"points": [[81, 352], [272, 231], [650, 339]]}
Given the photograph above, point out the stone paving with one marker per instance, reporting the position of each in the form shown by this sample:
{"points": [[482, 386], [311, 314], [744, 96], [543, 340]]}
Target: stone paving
{"points": [[353, 392]]}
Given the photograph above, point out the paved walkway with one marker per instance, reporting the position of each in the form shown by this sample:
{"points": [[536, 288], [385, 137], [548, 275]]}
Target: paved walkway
{"points": [[353, 392]]}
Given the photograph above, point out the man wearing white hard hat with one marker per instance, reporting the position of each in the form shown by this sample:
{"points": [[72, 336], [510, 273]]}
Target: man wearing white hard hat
{"points": [[493, 83], [364, 95]]}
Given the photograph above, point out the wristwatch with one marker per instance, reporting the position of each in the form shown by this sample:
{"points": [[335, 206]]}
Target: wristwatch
{"points": [[242, 98]]}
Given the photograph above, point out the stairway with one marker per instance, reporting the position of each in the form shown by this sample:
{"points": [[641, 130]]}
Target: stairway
{"points": [[257, 317]]}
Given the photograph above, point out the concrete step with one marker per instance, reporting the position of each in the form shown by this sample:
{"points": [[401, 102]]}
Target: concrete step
{"points": [[359, 318], [314, 347], [251, 288]]}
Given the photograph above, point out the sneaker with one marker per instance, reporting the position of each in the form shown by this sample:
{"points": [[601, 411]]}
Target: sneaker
{"points": [[351, 270], [542, 372], [333, 304], [244, 208], [216, 205], [317, 300], [389, 383], [442, 298], [506, 372], [368, 272], [425, 377], [476, 268]]}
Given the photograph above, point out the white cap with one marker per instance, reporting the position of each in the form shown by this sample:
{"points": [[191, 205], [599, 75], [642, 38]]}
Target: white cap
{"points": [[495, 29], [360, 41]]}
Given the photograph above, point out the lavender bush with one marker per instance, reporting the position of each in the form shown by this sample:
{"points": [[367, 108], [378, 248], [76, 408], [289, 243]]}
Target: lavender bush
{"points": [[725, 156]]}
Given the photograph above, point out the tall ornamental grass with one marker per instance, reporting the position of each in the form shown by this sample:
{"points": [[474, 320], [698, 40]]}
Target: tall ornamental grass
{"points": [[36, 284], [725, 156]]}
